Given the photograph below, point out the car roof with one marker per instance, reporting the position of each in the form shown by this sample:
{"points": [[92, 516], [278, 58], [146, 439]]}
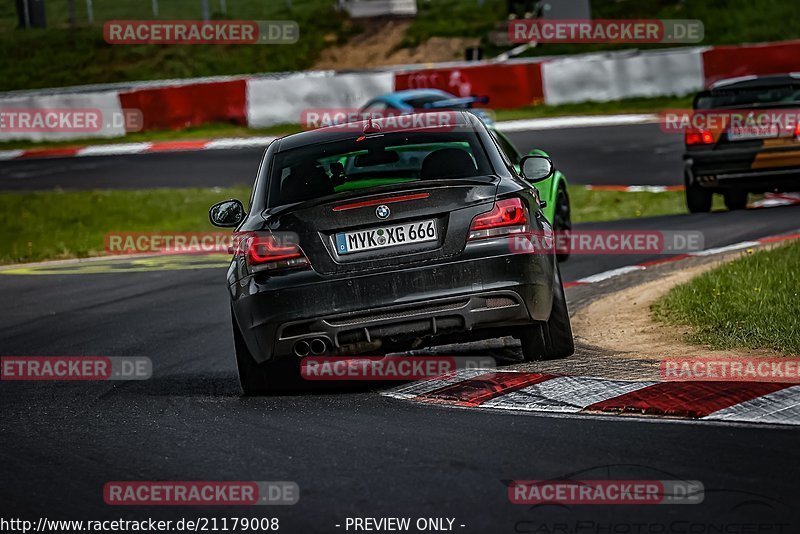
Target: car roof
{"points": [[754, 82], [407, 94], [355, 129]]}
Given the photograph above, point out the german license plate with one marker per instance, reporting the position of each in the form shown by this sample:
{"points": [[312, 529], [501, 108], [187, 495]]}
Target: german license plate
{"points": [[742, 133], [386, 236]]}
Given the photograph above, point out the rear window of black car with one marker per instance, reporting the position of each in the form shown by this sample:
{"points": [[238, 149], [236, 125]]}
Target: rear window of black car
{"points": [[369, 162], [760, 97]]}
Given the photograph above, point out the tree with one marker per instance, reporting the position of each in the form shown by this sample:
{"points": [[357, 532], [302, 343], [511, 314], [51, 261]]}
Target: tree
{"points": [[71, 13], [31, 14]]}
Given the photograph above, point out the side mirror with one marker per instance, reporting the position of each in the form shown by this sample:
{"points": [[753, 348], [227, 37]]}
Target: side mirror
{"points": [[226, 213], [536, 168]]}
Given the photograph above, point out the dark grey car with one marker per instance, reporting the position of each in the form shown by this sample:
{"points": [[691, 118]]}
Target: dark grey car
{"points": [[376, 238]]}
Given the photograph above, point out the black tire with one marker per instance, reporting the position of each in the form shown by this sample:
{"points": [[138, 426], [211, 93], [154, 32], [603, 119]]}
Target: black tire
{"points": [[255, 378], [562, 219], [735, 199], [552, 339], [698, 199]]}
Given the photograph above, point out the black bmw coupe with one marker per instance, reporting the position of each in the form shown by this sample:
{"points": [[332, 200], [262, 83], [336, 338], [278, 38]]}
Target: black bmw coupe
{"points": [[379, 237]]}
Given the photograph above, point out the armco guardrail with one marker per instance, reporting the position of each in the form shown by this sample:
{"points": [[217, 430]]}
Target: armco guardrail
{"points": [[277, 101], [614, 77], [264, 100]]}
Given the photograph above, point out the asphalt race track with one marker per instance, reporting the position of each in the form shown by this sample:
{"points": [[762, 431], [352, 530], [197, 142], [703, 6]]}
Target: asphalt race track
{"points": [[353, 453], [637, 154]]}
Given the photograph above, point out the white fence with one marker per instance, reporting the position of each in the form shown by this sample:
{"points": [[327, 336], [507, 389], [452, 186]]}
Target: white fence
{"points": [[603, 77], [376, 8], [282, 101]]}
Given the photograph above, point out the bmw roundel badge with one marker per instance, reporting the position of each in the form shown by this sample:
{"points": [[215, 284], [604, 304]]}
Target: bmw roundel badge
{"points": [[383, 211]]}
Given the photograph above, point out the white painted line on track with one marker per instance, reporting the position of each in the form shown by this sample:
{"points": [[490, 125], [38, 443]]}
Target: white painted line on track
{"points": [[727, 248], [11, 154], [114, 150], [238, 142], [581, 121], [605, 275]]}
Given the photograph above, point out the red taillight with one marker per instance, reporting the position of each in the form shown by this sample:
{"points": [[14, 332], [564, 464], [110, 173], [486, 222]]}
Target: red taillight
{"points": [[266, 252], [699, 137], [508, 216], [797, 130]]}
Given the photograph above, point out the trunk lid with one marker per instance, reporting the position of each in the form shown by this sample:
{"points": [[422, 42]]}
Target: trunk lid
{"points": [[443, 207]]}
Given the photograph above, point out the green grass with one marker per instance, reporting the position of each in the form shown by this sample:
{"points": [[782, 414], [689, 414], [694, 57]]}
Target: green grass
{"points": [[211, 131], [628, 105], [752, 302], [59, 56], [596, 205], [57, 224], [47, 225], [57, 15], [725, 21], [453, 18]]}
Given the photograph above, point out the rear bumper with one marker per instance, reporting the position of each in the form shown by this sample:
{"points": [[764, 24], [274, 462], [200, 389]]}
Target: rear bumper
{"points": [[479, 291], [744, 169], [345, 333]]}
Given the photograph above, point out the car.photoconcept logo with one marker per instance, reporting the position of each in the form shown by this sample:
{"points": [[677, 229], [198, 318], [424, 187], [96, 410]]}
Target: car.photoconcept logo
{"points": [[383, 211]]}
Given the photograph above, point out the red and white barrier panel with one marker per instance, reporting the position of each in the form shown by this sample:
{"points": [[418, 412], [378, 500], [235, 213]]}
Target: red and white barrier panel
{"points": [[722, 62], [724, 400], [508, 85], [193, 104], [61, 117]]}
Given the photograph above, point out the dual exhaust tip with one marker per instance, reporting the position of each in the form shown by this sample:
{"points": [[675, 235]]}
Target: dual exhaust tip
{"points": [[314, 347]]}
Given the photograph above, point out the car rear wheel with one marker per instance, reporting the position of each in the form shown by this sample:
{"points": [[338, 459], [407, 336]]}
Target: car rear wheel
{"points": [[264, 378], [698, 199], [735, 199], [552, 339]]}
